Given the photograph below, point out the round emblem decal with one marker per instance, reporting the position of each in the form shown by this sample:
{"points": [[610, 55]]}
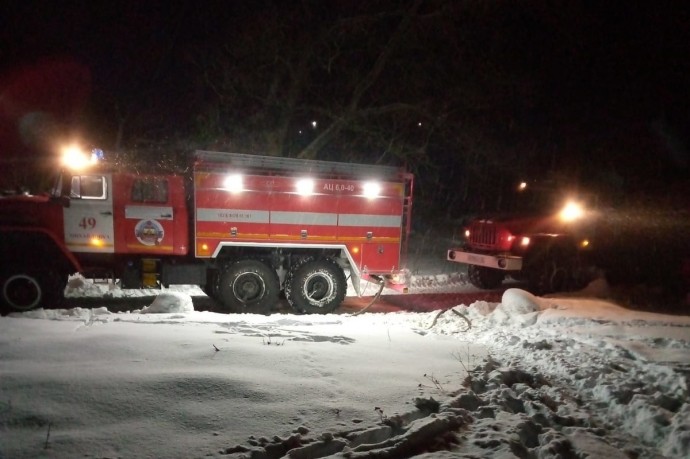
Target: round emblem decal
{"points": [[149, 232]]}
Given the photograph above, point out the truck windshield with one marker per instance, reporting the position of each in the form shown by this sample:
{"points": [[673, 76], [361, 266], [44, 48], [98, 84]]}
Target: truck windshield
{"points": [[546, 199]]}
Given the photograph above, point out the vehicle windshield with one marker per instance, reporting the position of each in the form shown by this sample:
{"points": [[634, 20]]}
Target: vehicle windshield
{"points": [[544, 200]]}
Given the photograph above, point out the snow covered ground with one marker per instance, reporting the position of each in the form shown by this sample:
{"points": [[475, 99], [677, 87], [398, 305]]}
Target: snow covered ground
{"points": [[570, 376]]}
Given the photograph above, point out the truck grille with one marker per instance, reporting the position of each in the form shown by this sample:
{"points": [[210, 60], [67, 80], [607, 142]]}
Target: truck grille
{"points": [[483, 233]]}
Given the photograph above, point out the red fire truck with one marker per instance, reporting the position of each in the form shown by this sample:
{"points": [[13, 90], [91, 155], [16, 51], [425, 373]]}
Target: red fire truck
{"points": [[544, 249], [243, 227], [561, 241]]}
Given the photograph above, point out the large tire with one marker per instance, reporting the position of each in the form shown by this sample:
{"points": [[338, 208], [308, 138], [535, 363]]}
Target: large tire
{"points": [[295, 266], [485, 278], [212, 287], [316, 286], [249, 286], [25, 288], [551, 271]]}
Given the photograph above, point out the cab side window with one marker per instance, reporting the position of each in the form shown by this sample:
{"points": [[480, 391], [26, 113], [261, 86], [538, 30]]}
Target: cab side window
{"points": [[150, 190], [89, 187]]}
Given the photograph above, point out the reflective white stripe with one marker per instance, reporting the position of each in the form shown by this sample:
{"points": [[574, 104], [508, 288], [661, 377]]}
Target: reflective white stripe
{"points": [[382, 221], [298, 218], [144, 212], [304, 218], [232, 215]]}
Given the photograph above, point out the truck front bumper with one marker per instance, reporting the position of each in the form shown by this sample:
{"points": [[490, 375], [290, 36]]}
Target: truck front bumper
{"points": [[503, 262]]}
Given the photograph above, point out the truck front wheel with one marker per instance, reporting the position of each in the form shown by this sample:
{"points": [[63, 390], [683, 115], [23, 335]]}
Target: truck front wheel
{"points": [[485, 278], [249, 286], [26, 289], [550, 272], [212, 286], [316, 287]]}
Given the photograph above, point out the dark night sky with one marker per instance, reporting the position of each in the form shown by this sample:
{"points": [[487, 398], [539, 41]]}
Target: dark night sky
{"points": [[545, 86]]}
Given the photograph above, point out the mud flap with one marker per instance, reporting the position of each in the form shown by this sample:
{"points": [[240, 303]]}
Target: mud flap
{"points": [[356, 282]]}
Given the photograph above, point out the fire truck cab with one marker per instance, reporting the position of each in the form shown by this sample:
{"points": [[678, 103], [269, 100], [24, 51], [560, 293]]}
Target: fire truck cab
{"points": [[542, 248], [243, 227]]}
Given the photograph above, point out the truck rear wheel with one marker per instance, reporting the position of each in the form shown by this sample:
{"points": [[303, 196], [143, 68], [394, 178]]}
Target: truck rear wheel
{"points": [[316, 286], [249, 286], [24, 289], [485, 278]]}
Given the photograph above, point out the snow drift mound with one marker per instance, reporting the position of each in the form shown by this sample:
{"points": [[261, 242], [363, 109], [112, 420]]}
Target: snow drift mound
{"points": [[170, 302], [517, 301], [517, 307]]}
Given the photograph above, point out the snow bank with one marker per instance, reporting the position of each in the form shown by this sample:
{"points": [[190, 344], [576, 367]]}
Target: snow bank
{"points": [[170, 302], [527, 377]]}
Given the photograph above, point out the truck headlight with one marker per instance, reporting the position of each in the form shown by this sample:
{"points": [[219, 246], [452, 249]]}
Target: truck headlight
{"points": [[571, 211]]}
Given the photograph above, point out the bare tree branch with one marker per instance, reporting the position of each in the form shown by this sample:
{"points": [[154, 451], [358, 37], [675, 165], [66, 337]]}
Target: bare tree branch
{"points": [[363, 85]]}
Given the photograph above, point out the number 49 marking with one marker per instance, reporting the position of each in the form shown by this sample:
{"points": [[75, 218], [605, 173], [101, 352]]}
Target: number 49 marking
{"points": [[87, 223]]}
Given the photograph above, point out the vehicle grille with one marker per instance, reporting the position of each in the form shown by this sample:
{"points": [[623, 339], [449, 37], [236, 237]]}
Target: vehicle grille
{"points": [[483, 233]]}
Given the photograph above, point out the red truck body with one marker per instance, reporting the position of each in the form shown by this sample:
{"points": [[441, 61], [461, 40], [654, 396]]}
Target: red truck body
{"points": [[270, 211], [544, 251], [629, 246], [244, 227]]}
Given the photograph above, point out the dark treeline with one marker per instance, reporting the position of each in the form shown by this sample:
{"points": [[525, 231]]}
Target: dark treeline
{"points": [[471, 96]]}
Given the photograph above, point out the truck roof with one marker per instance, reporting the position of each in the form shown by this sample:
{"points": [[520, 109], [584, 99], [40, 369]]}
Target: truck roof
{"points": [[211, 159]]}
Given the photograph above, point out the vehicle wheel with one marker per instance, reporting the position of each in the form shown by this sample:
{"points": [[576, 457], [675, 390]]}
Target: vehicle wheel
{"points": [[316, 286], [551, 272], [249, 286], [297, 263], [212, 284], [24, 289], [485, 278]]}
